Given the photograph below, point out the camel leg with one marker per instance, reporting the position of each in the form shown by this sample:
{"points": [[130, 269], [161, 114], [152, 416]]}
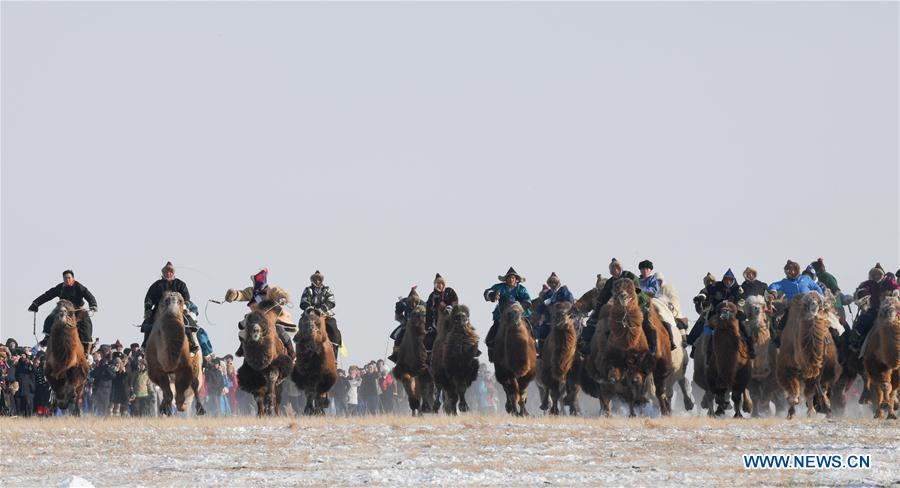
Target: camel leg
{"points": [[260, 403], [737, 397], [893, 386], [184, 379], [523, 397], [461, 397], [165, 407], [686, 394], [554, 398], [309, 408], [544, 395], [791, 385], [409, 384], [665, 406]]}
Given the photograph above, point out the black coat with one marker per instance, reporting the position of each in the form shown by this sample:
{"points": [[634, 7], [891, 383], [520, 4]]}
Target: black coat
{"points": [[76, 294], [754, 288], [720, 293], [155, 293], [606, 292], [436, 301], [25, 377]]}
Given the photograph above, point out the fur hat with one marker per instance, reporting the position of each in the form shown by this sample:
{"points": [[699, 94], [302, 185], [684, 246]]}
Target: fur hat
{"points": [[512, 272], [438, 278], [709, 279], [818, 265], [317, 276], [614, 262], [552, 277], [168, 267], [413, 292], [749, 270], [876, 273], [791, 264], [645, 264]]}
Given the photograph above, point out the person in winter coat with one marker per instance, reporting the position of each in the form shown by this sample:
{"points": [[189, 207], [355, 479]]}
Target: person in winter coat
{"points": [[649, 284], [874, 288], [552, 292], [76, 293], [102, 375], [828, 280], [506, 293], [728, 290], [24, 374], [387, 386], [169, 282], [368, 391], [402, 310], [140, 390], [42, 405], [215, 387], [354, 381], [256, 294], [752, 286], [441, 297], [120, 391], [340, 394], [320, 297], [792, 285]]}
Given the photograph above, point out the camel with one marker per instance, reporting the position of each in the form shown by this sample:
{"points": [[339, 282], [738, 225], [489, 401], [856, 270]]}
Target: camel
{"points": [[807, 359], [168, 357], [412, 364], [728, 362], [851, 367], [558, 357], [266, 360], [454, 357], [881, 357], [629, 361], [515, 358], [670, 312], [315, 370], [66, 367], [763, 388]]}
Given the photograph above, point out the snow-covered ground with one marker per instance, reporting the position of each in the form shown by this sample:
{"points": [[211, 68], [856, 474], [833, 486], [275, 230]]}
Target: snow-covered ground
{"points": [[435, 450]]}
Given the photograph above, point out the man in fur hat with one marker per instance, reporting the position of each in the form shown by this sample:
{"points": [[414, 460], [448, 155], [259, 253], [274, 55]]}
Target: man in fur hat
{"points": [[259, 292], [320, 297], [702, 306], [402, 310], [650, 286], [440, 298], [552, 292], [793, 284], [827, 280], [76, 293], [509, 291], [728, 290], [168, 282], [752, 286], [648, 283], [874, 288]]}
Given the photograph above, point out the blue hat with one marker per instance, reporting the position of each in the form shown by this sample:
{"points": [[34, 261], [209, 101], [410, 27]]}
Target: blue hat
{"points": [[728, 274]]}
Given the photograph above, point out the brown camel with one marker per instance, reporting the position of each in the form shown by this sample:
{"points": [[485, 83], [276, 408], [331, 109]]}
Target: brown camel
{"points": [[727, 361], [596, 378], [807, 359], [412, 364], [455, 357], [515, 357], [315, 370], [628, 356], [67, 367], [763, 387], [881, 356], [266, 361], [168, 356], [558, 357]]}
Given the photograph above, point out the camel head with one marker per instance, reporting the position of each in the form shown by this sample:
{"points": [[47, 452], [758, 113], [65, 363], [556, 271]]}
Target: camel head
{"points": [[561, 315], [514, 313], [754, 307], [459, 317], [171, 303], [65, 314], [624, 292], [725, 317], [812, 304], [890, 306], [312, 324], [416, 319], [257, 326]]}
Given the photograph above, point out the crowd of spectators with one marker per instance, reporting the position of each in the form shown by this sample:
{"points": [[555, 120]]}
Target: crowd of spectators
{"points": [[118, 384]]}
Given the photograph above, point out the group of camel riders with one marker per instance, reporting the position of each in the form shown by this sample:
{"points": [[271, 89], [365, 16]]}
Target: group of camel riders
{"points": [[510, 290], [648, 285], [317, 296]]}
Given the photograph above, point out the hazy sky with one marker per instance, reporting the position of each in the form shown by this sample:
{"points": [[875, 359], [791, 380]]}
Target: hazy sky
{"points": [[381, 143]]}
